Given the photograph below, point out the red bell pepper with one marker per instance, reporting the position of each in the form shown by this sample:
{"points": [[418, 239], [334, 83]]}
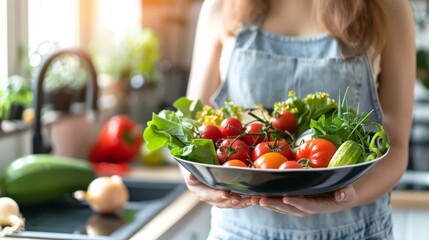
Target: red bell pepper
{"points": [[119, 141]]}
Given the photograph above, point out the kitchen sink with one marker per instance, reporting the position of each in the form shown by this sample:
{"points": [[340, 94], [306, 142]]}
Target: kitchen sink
{"points": [[70, 219]]}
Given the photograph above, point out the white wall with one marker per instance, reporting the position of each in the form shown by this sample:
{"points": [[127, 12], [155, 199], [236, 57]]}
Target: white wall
{"points": [[14, 146]]}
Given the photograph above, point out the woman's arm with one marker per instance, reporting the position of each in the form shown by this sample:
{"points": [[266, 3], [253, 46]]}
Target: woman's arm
{"points": [[203, 82], [396, 94], [204, 77]]}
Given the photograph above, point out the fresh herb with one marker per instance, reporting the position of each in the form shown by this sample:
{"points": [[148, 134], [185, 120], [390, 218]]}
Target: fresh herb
{"points": [[349, 124]]}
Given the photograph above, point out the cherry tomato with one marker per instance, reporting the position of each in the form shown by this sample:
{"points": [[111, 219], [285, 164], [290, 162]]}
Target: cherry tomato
{"points": [[231, 148], [290, 164], [255, 132], [270, 160], [285, 121], [210, 131], [231, 127], [280, 147], [235, 163], [318, 151]]}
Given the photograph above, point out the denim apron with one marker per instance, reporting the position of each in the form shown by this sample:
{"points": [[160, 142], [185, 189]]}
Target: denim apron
{"points": [[263, 68]]}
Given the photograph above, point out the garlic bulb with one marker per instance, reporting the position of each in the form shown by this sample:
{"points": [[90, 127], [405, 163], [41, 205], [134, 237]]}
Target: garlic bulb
{"points": [[10, 217]]}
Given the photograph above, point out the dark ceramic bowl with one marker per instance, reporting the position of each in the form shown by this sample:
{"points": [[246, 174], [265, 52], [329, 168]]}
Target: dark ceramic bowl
{"points": [[274, 182]]}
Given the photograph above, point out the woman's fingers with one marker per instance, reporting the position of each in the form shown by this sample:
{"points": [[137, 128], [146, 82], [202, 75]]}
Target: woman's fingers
{"points": [[308, 205], [345, 194], [215, 197], [276, 204]]}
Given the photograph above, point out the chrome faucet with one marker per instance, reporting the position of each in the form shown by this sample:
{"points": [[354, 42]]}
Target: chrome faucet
{"points": [[91, 94]]}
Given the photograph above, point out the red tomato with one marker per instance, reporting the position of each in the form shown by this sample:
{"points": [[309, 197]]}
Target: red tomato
{"points": [[270, 160], [210, 131], [231, 127], [255, 131], [233, 149], [290, 164], [235, 163], [280, 147], [285, 121], [318, 151]]}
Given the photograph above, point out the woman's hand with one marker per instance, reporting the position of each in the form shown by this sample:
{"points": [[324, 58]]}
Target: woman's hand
{"points": [[214, 197], [302, 206]]}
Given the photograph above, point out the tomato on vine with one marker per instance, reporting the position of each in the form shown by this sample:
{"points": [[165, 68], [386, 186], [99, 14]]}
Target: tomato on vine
{"points": [[210, 131], [270, 160], [255, 133], [231, 127], [273, 146], [290, 164], [235, 163], [231, 148], [318, 151], [284, 121]]}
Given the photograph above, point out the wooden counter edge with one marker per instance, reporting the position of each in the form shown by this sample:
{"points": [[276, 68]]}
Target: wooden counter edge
{"points": [[402, 199], [163, 221]]}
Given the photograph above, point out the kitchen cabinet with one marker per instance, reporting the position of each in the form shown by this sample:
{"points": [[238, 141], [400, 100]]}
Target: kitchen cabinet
{"points": [[193, 226], [410, 201], [411, 224], [186, 218]]}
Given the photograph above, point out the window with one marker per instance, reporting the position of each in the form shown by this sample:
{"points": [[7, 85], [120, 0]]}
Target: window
{"points": [[32, 28], [3, 42], [52, 24]]}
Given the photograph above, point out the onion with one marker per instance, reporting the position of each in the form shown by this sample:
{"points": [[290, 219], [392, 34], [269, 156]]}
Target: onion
{"points": [[103, 225], [105, 195], [10, 217]]}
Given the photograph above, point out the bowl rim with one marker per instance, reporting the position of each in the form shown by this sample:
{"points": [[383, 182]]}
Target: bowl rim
{"points": [[285, 170]]}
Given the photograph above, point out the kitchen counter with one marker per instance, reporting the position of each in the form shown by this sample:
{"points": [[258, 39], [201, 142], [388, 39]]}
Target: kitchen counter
{"points": [[174, 212], [401, 199], [410, 199]]}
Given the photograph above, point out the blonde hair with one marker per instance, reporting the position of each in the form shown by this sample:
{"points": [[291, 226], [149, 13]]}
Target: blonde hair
{"points": [[357, 25]]}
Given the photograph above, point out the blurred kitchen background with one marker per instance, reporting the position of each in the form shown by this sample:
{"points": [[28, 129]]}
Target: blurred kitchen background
{"points": [[141, 51]]}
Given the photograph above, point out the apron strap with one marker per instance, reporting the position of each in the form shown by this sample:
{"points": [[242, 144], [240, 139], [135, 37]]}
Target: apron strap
{"points": [[259, 19]]}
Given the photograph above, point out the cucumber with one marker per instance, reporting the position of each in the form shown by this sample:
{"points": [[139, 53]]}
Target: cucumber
{"points": [[349, 152], [41, 178]]}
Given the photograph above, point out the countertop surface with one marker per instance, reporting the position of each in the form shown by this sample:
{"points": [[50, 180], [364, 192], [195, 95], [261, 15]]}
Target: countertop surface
{"points": [[401, 199]]}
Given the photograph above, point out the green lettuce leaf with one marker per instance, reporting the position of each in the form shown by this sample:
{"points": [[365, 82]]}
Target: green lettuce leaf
{"points": [[199, 150], [188, 108]]}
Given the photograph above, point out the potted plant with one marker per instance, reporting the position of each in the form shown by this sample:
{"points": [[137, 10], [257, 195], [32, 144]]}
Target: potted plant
{"points": [[133, 64], [14, 98], [64, 83], [65, 79], [135, 54]]}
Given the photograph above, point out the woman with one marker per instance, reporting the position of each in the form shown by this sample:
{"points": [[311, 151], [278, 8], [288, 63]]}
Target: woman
{"points": [[256, 51]]}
